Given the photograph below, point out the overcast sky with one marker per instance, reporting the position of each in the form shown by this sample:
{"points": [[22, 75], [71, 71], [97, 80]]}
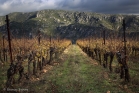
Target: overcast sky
{"points": [[99, 6]]}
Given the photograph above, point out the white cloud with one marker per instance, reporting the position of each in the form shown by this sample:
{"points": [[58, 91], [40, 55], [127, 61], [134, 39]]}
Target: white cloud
{"points": [[27, 5]]}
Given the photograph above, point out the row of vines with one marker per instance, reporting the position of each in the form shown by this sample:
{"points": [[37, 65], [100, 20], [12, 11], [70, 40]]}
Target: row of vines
{"points": [[29, 56], [105, 52]]}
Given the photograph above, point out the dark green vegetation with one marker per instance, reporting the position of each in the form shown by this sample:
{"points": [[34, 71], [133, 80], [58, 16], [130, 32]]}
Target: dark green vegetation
{"points": [[68, 24]]}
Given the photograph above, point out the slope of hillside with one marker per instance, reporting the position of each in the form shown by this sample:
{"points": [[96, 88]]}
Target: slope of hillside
{"points": [[68, 23]]}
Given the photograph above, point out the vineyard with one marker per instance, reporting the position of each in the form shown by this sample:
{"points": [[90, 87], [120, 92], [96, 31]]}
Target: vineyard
{"points": [[28, 56], [23, 60], [110, 51]]}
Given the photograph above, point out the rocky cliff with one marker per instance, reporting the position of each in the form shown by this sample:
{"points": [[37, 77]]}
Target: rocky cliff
{"points": [[68, 24]]}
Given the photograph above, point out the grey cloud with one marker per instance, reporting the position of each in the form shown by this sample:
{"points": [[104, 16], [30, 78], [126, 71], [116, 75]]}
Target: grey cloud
{"points": [[2, 1], [100, 6], [105, 6]]}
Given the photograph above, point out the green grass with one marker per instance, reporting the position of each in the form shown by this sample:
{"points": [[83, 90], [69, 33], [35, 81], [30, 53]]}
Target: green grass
{"points": [[77, 73], [3, 75]]}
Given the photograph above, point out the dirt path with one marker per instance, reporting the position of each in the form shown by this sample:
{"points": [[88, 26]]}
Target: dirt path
{"points": [[75, 72]]}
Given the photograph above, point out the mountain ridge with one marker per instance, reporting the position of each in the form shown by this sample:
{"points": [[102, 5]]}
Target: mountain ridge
{"points": [[68, 23]]}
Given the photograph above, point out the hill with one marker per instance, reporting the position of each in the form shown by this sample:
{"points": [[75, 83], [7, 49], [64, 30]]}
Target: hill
{"points": [[68, 24]]}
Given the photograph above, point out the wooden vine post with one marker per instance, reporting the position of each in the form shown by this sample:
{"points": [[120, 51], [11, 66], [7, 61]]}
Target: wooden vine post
{"points": [[104, 37], [9, 39], [4, 48], [39, 37], [39, 52], [127, 77], [57, 52], [50, 59], [88, 49], [104, 52]]}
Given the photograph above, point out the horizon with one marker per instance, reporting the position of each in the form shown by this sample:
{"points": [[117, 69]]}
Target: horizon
{"points": [[73, 11]]}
